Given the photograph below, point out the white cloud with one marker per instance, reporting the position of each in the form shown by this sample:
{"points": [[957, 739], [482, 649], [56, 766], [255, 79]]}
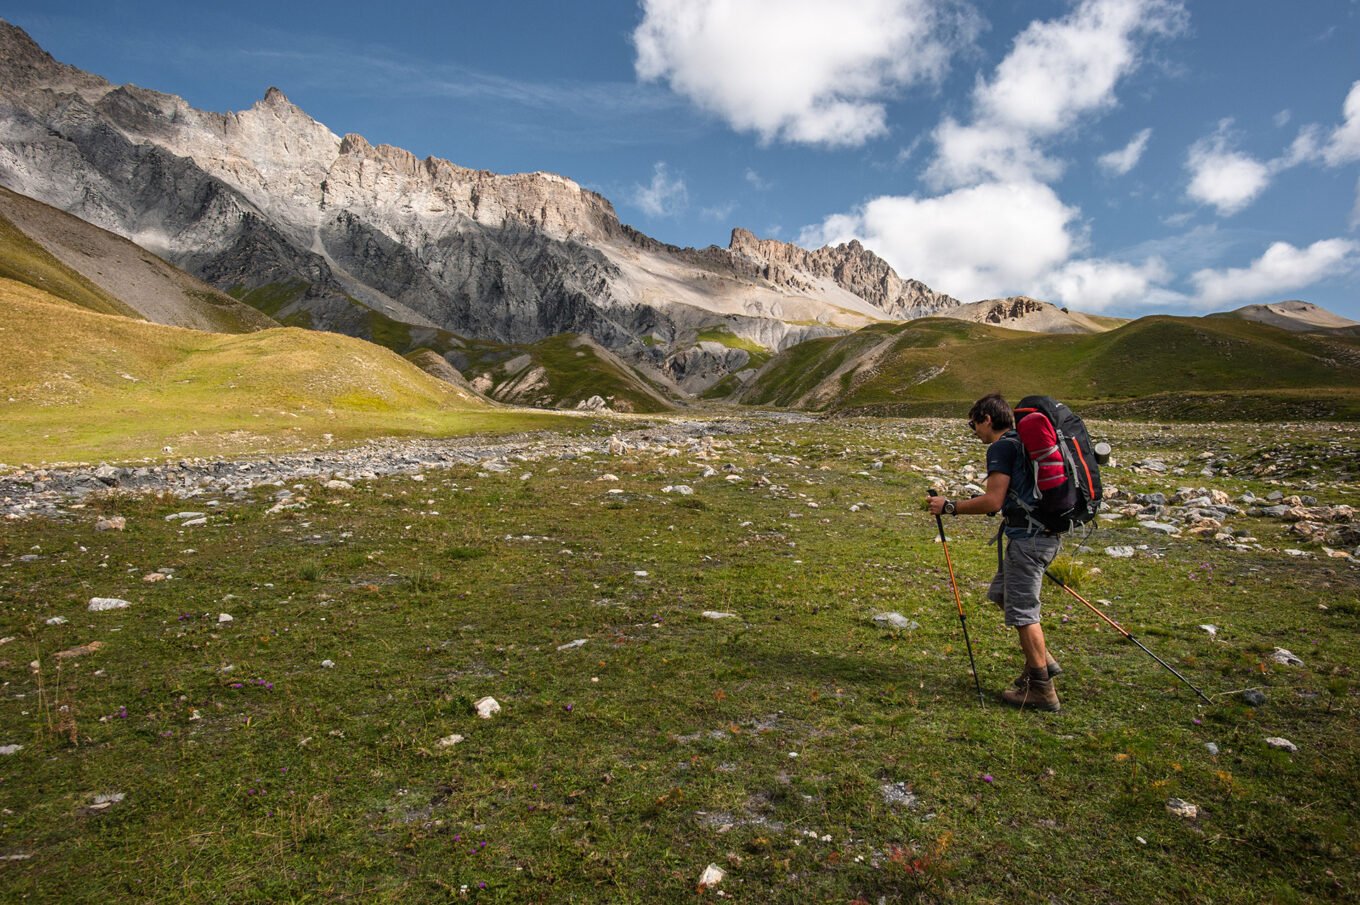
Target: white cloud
{"points": [[1282, 269], [1344, 144], [757, 182], [1119, 163], [985, 241], [1282, 118], [801, 71], [719, 212], [1096, 285], [1355, 209], [1056, 73], [665, 196], [1227, 179]]}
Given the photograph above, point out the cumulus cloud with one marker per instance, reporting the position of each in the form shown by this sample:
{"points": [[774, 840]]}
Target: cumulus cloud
{"points": [[984, 241], [1223, 177], [1057, 72], [801, 71], [1120, 162], [1344, 144], [666, 196], [1095, 284], [1283, 269]]}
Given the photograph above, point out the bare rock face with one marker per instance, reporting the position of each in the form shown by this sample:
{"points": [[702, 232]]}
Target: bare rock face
{"points": [[335, 233], [852, 267]]}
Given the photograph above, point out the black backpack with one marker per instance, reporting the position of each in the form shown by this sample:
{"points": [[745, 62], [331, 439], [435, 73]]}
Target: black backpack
{"points": [[1077, 499]]}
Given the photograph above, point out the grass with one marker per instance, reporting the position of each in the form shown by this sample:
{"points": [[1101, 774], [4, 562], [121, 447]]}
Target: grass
{"points": [[83, 386], [24, 261], [1213, 364], [620, 768]]}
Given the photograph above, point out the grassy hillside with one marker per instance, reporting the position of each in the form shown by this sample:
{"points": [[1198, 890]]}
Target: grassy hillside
{"points": [[1177, 367], [93, 268], [83, 386], [24, 261]]}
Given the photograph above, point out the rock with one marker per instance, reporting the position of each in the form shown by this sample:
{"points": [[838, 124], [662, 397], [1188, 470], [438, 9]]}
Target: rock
{"points": [[100, 604], [78, 651], [181, 516], [896, 621], [714, 614], [328, 664], [338, 484], [1182, 808], [1121, 552], [1253, 698], [1283, 744], [1159, 527], [608, 478], [1211, 748], [1275, 495], [593, 404], [7, 750], [1211, 629], [1285, 658], [112, 523], [682, 489], [449, 741], [57, 620], [572, 645], [712, 876], [224, 617], [486, 707], [194, 522]]}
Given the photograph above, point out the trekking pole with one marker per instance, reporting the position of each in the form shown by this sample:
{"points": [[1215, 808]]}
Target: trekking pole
{"points": [[1119, 628], [958, 602]]}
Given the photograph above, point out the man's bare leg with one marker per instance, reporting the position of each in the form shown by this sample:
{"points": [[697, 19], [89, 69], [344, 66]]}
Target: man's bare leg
{"points": [[1032, 643]]}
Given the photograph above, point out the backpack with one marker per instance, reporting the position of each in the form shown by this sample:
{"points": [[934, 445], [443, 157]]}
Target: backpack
{"points": [[1066, 475]]}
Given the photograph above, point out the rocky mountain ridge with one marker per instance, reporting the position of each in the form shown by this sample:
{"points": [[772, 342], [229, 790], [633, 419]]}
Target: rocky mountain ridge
{"points": [[334, 232]]}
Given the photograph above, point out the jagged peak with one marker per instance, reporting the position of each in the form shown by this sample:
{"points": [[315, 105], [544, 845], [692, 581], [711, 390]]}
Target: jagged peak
{"points": [[354, 143], [274, 95]]}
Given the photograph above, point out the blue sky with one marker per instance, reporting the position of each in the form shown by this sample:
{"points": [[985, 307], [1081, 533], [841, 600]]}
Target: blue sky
{"points": [[1118, 156]]}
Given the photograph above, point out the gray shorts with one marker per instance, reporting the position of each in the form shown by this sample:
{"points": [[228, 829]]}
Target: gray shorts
{"points": [[1016, 587]]}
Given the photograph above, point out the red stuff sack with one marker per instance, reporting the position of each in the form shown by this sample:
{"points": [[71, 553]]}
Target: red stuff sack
{"points": [[1041, 445]]}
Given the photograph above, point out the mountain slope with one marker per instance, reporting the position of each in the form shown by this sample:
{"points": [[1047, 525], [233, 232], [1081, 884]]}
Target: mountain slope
{"points": [[1293, 315], [53, 250], [78, 385], [937, 364]]}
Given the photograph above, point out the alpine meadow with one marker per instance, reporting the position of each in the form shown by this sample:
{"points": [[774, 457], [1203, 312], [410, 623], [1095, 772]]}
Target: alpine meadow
{"points": [[639, 492]]}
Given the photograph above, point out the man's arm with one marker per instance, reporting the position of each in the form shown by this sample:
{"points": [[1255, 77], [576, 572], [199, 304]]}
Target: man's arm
{"points": [[992, 499]]}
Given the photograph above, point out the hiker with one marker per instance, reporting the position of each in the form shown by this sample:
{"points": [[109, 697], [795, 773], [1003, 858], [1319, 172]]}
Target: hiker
{"points": [[1029, 546]]}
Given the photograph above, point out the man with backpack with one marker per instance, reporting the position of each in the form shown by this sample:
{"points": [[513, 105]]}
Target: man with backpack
{"points": [[1031, 545]]}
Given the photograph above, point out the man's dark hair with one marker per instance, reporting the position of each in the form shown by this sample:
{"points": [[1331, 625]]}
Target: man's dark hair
{"points": [[993, 406]]}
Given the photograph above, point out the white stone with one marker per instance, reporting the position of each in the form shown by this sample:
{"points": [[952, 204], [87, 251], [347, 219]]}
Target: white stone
{"points": [[572, 645], [225, 617], [1182, 808], [1283, 744], [1121, 552], [1285, 658], [57, 620], [712, 876], [449, 741], [487, 707], [896, 620], [100, 604], [338, 484], [714, 614], [682, 489], [1211, 629], [194, 522], [328, 664], [10, 749]]}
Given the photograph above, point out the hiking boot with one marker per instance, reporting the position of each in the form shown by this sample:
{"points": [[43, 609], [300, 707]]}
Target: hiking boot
{"points": [[1032, 692], [1054, 670]]}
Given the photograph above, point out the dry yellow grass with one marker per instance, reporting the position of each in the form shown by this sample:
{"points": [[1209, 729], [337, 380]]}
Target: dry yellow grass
{"points": [[82, 386]]}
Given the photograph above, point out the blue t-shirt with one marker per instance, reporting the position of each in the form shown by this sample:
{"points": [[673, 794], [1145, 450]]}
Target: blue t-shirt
{"points": [[1007, 456]]}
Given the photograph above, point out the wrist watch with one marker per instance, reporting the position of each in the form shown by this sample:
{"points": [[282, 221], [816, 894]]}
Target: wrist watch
{"points": [[950, 507]]}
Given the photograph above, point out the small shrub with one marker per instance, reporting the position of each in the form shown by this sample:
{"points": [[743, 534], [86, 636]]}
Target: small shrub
{"points": [[1070, 572]]}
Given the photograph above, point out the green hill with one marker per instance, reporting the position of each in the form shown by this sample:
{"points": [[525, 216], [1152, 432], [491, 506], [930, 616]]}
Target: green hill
{"points": [[1172, 367], [81, 386], [92, 268]]}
